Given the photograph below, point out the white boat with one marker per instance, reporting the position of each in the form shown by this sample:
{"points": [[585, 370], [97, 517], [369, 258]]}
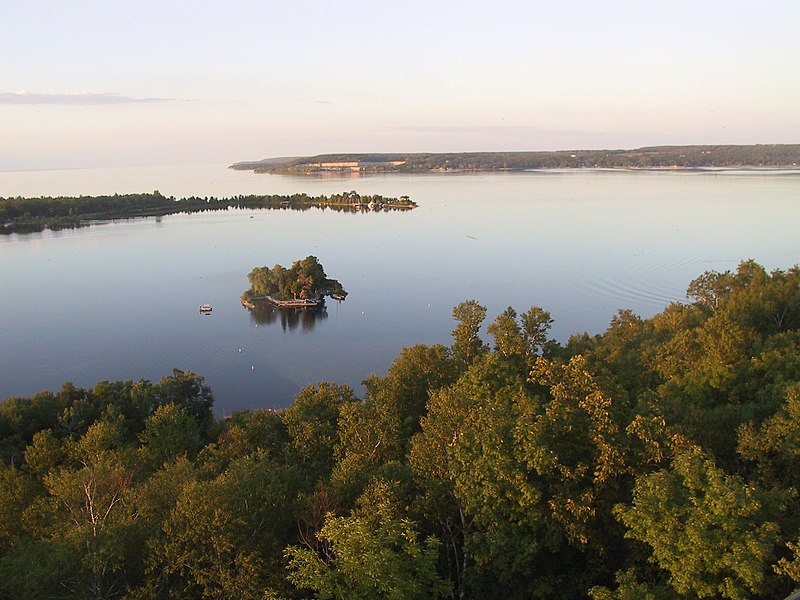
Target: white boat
{"points": [[205, 308]]}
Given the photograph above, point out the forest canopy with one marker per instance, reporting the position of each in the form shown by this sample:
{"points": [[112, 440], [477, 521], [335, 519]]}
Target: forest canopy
{"points": [[657, 460]]}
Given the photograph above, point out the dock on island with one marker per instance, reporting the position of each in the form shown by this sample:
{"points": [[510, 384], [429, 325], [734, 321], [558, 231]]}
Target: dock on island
{"points": [[290, 303], [304, 285]]}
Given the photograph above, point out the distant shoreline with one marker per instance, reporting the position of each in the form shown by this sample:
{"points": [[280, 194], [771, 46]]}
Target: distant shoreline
{"points": [[757, 156]]}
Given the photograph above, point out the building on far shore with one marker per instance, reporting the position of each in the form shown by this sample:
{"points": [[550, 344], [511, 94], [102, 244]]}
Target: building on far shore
{"points": [[353, 165]]}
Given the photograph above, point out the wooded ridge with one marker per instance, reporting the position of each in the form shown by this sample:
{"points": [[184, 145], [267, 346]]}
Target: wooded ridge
{"points": [[707, 156]]}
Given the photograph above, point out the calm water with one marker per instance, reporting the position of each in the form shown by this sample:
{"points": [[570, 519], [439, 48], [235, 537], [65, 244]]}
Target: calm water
{"points": [[119, 300]]}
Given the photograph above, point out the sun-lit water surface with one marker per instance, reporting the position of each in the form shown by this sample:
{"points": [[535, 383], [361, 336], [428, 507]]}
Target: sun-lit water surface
{"points": [[119, 300]]}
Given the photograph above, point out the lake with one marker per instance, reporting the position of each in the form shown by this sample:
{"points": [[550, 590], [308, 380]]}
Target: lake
{"points": [[119, 301]]}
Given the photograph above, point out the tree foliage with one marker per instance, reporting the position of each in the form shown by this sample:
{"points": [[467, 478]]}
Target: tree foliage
{"points": [[714, 534], [373, 553], [305, 279], [656, 460]]}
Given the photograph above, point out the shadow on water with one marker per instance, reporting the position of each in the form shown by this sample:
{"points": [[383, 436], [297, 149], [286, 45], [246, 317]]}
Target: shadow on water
{"points": [[289, 318]]}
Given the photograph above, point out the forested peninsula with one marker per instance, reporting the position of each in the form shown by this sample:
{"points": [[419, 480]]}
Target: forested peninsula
{"points": [[27, 215], [658, 460], [708, 156]]}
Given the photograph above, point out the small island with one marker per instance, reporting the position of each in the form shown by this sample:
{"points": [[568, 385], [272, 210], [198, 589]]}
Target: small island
{"points": [[304, 285]]}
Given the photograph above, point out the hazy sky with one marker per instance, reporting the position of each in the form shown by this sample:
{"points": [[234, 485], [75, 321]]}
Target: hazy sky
{"points": [[99, 83]]}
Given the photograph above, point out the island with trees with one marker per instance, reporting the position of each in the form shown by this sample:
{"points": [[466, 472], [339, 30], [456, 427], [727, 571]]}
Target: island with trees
{"points": [[659, 460], [687, 157], [27, 215], [303, 285]]}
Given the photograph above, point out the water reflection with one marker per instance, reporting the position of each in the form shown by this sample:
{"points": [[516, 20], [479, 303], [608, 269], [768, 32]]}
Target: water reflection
{"points": [[290, 319], [27, 215], [122, 299]]}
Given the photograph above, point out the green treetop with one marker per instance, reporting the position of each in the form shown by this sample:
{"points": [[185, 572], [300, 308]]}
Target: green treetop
{"points": [[305, 279]]}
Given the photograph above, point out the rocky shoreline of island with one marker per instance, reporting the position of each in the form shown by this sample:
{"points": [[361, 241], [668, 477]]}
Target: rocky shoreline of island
{"points": [[314, 302]]}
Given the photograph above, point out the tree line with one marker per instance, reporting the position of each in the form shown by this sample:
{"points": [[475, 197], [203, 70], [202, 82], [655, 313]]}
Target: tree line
{"points": [[25, 215], [656, 460], [759, 155]]}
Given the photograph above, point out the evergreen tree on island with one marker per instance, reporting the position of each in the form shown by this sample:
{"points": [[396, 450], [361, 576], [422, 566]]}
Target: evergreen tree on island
{"points": [[305, 280]]}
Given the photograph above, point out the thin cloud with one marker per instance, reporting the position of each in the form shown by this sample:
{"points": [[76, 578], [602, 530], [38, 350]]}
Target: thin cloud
{"points": [[77, 99], [471, 129]]}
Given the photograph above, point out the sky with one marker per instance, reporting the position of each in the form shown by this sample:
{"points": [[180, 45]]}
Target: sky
{"points": [[91, 83]]}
